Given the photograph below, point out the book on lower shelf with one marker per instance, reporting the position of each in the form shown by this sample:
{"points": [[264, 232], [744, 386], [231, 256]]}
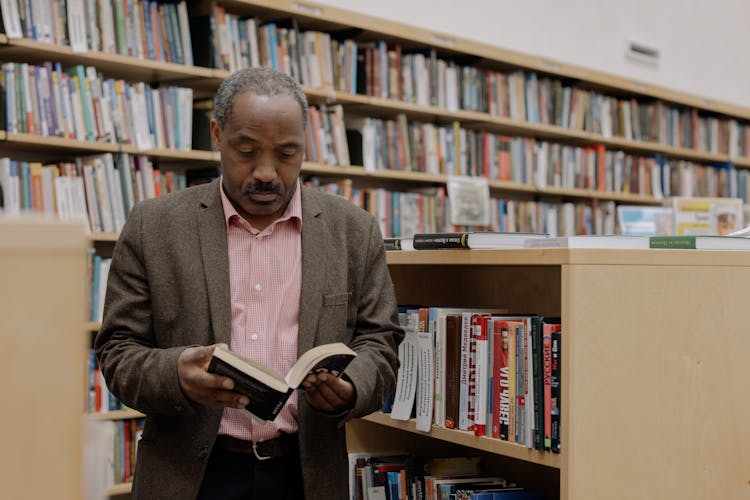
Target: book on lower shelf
{"points": [[590, 241], [266, 389], [705, 242], [477, 240], [399, 243]]}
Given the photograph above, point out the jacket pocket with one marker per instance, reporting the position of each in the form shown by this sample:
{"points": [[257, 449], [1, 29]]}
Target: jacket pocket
{"points": [[336, 299]]}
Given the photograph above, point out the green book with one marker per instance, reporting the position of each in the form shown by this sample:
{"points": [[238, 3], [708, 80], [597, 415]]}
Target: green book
{"points": [[700, 242]]}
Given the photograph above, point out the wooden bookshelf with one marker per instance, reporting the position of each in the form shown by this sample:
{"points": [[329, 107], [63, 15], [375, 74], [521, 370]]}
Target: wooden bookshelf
{"points": [[653, 350], [42, 291], [115, 415], [556, 281], [119, 489]]}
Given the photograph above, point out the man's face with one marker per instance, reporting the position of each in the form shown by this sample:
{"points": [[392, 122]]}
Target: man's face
{"points": [[262, 147]]}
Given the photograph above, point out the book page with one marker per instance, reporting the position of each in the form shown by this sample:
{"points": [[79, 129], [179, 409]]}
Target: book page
{"points": [[328, 357]]}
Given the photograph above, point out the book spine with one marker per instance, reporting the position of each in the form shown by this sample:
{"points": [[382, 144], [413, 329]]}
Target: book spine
{"points": [[434, 241]]}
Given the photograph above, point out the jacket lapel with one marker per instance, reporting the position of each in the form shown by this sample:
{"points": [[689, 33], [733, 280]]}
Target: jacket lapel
{"points": [[212, 233], [313, 266]]}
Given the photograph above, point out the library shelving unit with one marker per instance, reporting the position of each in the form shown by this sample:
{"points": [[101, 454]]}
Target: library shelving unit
{"points": [[42, 296], [562, 473], [653, 367]]}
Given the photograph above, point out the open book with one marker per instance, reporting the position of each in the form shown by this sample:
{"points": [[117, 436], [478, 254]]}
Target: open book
{"points": [[268, 390]]}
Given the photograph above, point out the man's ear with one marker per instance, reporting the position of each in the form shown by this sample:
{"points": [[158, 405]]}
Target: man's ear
{"points": [[216, 134]]}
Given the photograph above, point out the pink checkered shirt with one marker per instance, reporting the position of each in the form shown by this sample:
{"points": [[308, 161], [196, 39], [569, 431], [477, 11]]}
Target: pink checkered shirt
{"points": [[265, 274]]}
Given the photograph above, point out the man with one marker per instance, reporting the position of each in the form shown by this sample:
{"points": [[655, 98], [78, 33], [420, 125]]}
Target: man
{"points": [[256, 261]]}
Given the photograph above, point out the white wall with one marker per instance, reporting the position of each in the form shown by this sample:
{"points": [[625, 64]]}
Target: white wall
{"points": [[703, 44]]}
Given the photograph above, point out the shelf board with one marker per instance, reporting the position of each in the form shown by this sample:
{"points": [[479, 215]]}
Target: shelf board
{"points": [[468, 439], [104, 237], [567, 256], [119, 489], [113, 65], [93, 326], [115, 415], [46, 143]]}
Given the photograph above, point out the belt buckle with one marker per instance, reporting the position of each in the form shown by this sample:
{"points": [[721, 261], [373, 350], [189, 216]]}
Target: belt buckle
{"points": [[255, 452]]}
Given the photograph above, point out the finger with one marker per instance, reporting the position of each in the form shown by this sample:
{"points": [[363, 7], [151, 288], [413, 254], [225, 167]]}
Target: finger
{"points": [[325, 391], [343, 388], [319, 403]]}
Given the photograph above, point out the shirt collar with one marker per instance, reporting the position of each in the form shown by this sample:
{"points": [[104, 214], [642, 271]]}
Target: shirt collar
{"points": [[292, 212]]}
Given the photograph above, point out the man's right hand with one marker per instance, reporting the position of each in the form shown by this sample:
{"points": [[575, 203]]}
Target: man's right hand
{"points": [[203, 387]]}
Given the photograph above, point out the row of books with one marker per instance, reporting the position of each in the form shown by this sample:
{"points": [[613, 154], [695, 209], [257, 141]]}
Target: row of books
{"points": [[99, 398], [79, 103], [481, 370], [110, 452], [142, 28], [145, 29], [100, 189], [313, 58], [402, 476], [407, 213]]}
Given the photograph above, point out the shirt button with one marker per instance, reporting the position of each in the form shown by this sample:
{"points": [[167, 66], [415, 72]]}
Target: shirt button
{"points": [[253, 337], [260, 236], [257, 287]]}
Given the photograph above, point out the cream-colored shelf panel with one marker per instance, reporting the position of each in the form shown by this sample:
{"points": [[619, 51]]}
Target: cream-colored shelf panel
{"points": [[115, 415], [119, 489], [104, 237], [566, 256], [92, 326], [468, 439]]}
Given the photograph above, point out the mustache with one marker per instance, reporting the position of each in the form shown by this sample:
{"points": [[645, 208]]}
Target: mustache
{"points": [[263, 187]]}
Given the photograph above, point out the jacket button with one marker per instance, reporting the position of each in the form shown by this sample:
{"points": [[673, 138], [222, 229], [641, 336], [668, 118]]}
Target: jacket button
{"points": [[203, 453]]}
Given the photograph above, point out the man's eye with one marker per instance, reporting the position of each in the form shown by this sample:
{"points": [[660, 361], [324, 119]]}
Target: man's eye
{"points": [[287, 154]]}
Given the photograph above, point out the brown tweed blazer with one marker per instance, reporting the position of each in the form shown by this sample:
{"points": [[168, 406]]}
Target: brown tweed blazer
{"points": [[169, 288]]}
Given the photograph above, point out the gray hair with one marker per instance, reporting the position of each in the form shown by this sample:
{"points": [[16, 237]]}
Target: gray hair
{"points": [[263, 81]]}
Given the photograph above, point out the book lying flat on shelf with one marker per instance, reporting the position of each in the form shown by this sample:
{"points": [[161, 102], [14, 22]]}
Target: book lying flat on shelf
{"points": [[399, 243], [590, 241], [478, 240], [705, 242], [268, 390]]}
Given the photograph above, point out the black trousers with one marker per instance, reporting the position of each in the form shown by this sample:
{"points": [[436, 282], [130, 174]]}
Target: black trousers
{"points": [[240, 476]]}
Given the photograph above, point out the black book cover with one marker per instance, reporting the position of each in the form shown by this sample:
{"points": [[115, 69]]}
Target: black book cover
{"points": [[265, 402]]}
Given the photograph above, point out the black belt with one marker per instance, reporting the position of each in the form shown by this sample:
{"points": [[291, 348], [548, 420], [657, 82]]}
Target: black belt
{"points": [[283, 446]]}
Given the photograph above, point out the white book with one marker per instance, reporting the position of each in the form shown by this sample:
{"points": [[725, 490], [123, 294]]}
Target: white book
{"points": [[48, 189], [77, 30], [77, 202], [99, 456], [139, 112], [109, 46], [406, 381], [590, 241], [125, 170], [114, 187], [61, 197], [91, 203], [251, 27], [11, 18], [11, 184], [103, 196], [184, 22]]}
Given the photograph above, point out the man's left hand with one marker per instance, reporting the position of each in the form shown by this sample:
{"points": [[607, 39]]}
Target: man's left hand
{"points": [[329, 393]]}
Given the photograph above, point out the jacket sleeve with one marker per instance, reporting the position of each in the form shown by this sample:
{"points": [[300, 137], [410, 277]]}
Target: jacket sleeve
{"points": [[140, 374], [377, 333]]}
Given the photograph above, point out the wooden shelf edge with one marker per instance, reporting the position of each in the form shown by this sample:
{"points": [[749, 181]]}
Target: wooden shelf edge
{"points": [[468, 439], [92, 326], [119, 489], [115, 415], [106, 147], [103, 237]]}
